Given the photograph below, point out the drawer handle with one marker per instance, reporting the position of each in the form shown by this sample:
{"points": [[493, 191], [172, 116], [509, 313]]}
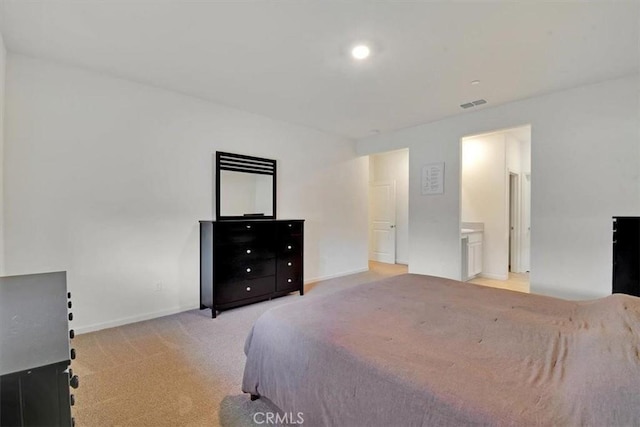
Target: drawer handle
{"points": [[289, 247], [248, 288], [289, 264], [248, 251], [248, 270], [288, 280], [248, 226]]}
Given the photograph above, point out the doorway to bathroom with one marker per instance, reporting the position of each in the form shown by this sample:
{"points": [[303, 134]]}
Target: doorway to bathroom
{"points": [[495, 208]]}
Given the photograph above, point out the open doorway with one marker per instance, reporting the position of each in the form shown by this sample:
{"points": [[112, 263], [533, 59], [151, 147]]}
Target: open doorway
{"points": [[389, 207], [495, 208]]}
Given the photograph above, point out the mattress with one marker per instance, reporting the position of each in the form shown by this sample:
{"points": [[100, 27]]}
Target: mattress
{"points": [[425, 351]]}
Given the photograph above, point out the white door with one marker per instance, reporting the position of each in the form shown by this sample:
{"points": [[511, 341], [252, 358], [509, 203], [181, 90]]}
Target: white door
{"points": [[382, 223]]}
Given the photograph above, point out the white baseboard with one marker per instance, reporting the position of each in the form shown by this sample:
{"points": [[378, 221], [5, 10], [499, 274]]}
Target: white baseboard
{"points": [[132, 319], [167, 312], [333, 276], [495, 276]]}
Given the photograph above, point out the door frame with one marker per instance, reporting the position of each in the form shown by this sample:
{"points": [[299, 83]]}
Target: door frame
{"points": [[514, 212]]}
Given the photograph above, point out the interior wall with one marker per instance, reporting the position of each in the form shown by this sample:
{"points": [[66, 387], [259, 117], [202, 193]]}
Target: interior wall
{"points": [[484, 196], [513, 153], [394, 166], [107, 179], [585, 169], [3, 62]]}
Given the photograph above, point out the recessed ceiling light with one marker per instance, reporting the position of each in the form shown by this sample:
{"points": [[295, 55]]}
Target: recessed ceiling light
{"points": [[475, 82], [360, 52]]}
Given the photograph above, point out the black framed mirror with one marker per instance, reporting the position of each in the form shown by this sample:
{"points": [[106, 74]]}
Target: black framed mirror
{"points": [[245, 187]]}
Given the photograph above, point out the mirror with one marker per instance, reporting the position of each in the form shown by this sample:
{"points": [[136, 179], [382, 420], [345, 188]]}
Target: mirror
{"points": [[245, 187], [244, 193]]}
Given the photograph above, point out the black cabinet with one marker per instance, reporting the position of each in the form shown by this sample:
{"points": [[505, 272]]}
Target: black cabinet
{"points": [[36, 397], [34, 351], [626, 255], [242, 262]]}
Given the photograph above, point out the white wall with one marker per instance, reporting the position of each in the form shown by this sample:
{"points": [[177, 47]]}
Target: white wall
{"points": [[584, 158], [484, 198], [513, 153], [3, 59], [107, 179], [394, 166]]}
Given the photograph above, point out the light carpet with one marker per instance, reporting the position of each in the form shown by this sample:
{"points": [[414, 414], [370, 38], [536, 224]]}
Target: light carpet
{"points": [[180, 370]]}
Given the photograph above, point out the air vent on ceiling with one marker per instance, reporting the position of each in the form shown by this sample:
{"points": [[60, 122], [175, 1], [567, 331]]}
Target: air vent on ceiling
{"points": [[473, 103]]}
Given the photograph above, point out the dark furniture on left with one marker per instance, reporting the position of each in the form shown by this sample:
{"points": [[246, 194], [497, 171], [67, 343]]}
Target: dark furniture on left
{"points": [[34, 351], [626, 255]]}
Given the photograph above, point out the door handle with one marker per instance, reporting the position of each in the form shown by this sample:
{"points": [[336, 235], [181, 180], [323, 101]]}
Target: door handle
{"points": [[392, 226]]}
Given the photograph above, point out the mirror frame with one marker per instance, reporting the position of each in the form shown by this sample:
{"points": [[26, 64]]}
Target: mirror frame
{"points": [[247, 164]]}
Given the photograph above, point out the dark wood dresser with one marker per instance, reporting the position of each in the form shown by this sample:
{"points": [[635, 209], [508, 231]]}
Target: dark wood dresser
{"points": [[626, 255], [245, 261]]}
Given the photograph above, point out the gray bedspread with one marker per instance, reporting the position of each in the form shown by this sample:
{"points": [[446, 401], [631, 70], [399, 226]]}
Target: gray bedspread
{"points": [[425, 351]]}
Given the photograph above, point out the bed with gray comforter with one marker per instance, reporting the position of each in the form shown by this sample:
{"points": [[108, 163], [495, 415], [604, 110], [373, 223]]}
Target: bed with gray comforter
{"points": [[425, 351]]}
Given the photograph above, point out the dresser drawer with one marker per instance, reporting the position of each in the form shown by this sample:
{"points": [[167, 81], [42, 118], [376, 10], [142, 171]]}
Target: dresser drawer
{"points": [[289, 228], [288, 282], [289, 246], [244, 289], [244, 253], [227, 271], [289, 266], [231, 233]]}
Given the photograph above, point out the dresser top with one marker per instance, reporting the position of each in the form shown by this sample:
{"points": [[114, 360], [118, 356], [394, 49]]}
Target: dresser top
{"points": [[33, 321], [253, 220]]}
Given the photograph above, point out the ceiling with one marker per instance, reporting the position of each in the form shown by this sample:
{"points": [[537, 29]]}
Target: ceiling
{"points": [[289, 60]]}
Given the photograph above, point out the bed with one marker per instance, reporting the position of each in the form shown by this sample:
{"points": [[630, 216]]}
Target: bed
{"points": [[419, 351]]}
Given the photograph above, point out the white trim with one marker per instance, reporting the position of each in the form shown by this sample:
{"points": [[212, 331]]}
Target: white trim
{"points": [[515, 249], [495, 276], [132, 319], [333, 276]]}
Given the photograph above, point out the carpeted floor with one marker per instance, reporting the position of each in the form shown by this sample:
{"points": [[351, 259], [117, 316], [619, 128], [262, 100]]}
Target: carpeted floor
{"points": [[180, 370]]}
